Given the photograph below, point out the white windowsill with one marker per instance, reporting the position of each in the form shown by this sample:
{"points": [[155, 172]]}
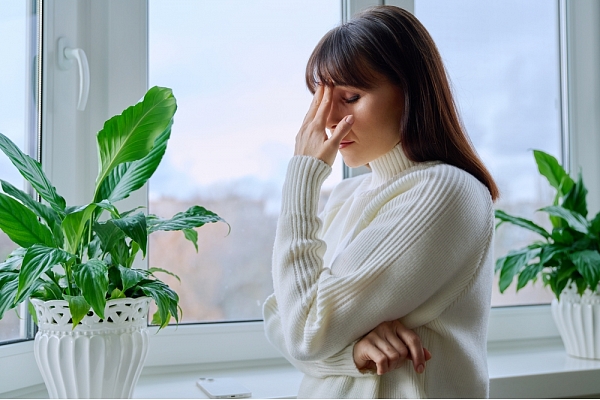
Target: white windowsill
{"points": [[527, 369]]}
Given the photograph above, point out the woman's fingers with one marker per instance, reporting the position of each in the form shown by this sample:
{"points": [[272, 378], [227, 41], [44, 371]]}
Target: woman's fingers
{"points": [[320, 118], [415, 347], [314, 105]]}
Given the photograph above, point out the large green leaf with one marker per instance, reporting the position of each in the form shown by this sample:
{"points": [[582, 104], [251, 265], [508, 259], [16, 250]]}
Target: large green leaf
{"points": [[575, 200], [134, 226], [131, 277], [529, 273], [52, 218], [109, 235], [128, 177], [9, 281], [193, 217], [21, 224], [131, 135], [575, 220], [31, 170], [92, 278], [38, 260], [162, 300], [78, 308], [513, 263], [554, 172], [588, 265], [595, 225], [522, 222], [74, 226]]}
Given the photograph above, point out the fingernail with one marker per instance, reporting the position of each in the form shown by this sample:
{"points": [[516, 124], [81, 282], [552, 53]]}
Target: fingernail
{"points": [[350, 119], [420, 369]]}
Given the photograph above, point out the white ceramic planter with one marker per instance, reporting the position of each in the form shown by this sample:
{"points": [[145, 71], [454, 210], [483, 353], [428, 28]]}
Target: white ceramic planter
{"points": [[98, 359], [578, 321]]}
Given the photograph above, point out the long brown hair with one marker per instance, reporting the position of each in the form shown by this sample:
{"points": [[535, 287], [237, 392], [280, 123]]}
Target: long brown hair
{"points": [[390, 41]]}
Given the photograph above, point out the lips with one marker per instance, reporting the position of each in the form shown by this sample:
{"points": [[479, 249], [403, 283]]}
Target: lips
{"points": [[345, 143]]}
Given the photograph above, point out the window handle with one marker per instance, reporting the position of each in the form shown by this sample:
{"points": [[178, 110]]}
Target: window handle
{"points": [[66, 56]]}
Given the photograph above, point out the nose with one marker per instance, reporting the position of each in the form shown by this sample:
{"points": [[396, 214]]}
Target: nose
{"points": [[336, 113]]}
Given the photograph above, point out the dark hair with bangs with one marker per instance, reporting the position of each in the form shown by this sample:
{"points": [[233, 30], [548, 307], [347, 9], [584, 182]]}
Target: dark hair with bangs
{"points": [[390, 41]]}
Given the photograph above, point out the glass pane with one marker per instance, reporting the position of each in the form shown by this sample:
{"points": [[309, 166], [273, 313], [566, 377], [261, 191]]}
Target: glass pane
{"points": [[237, 70], [13, 86], [502, 57]]}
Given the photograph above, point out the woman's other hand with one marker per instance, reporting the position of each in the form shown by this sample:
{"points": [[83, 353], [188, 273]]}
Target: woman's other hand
{"points": [[387, 346], [312, 139]]}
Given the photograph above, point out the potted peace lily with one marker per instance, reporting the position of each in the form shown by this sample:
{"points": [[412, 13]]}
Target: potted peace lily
{"points": [[567, 259], [75, 263]]}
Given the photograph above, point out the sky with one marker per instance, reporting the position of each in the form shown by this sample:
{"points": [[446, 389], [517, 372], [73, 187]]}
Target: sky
{"points": [[237, 70], [12, 80]]}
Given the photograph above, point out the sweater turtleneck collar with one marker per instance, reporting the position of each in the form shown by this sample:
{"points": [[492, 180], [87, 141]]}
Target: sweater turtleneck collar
{"points": [[389, 165]]}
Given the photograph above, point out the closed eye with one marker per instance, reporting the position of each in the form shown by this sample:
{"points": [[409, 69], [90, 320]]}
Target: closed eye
{"points": [[352, 99]]}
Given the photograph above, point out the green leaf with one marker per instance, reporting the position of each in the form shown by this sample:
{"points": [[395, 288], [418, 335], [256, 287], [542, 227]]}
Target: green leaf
{"points": [[575, 200], [108, 206], [94, 249], [32, 312], [48, 290], [522, 222], [32, 171], [109, 234], [562, 236], [37, 261], [166, 301], [134, 226], [78, 307], [162, 303], [117, 294], [156, 269], [128, 177], [192, 236], [131, 277], [193, 217], [528, 274], [74, 226], [554, 172], [131, 135], [575, 220], [595, 225], [92, 279], [41, 210], [9, 281], [588, 265], [513, 263], [21, 224]]}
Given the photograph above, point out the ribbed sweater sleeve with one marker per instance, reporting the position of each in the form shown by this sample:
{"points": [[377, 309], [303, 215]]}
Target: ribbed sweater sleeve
{"points": [[404, 252]]}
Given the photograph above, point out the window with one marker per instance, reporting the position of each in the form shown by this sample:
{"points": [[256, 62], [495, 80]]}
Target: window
{"points": [[502, 57], [18, 106], [237, 71]]}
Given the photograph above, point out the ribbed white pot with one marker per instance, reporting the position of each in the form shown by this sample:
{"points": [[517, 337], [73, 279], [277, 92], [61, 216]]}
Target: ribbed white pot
{"points": [[578, 321], [97, 359]]}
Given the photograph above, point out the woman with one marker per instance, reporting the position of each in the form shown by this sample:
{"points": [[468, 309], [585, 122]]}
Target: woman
{"points": [[400, 260]]}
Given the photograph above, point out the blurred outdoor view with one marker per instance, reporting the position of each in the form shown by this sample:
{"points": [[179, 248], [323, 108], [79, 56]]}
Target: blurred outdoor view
{"points": [[13, 86], [237, 70]]}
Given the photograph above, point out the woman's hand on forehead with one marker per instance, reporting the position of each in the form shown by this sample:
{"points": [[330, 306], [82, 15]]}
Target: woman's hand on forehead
{"points": [[312, 139]]}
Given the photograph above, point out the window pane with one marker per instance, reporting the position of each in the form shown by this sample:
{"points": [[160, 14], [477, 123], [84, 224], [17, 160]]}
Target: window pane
{"points": [[237, 71], [13, 86], [502, 57]]}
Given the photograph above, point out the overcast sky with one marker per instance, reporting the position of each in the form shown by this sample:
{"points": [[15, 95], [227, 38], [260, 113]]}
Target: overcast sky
{"points": [[237, 70]]}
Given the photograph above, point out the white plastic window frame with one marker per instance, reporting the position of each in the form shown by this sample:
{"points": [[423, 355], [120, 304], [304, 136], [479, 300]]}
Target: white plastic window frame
{"points": [[118, 67]]}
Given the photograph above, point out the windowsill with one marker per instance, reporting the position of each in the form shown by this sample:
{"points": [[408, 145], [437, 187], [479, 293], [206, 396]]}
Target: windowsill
{"points": [[527, 369]]}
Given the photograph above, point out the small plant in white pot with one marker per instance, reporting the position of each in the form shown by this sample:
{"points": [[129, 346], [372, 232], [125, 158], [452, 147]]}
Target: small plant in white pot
{"points": [[567, 259], [75, 262]]}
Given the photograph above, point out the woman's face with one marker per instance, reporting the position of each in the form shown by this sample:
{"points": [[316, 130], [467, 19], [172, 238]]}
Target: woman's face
{"points": [[377, 116]]}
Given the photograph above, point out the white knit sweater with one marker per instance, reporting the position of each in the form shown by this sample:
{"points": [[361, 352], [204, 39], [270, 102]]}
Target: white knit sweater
{"points": [[411, 241]]}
